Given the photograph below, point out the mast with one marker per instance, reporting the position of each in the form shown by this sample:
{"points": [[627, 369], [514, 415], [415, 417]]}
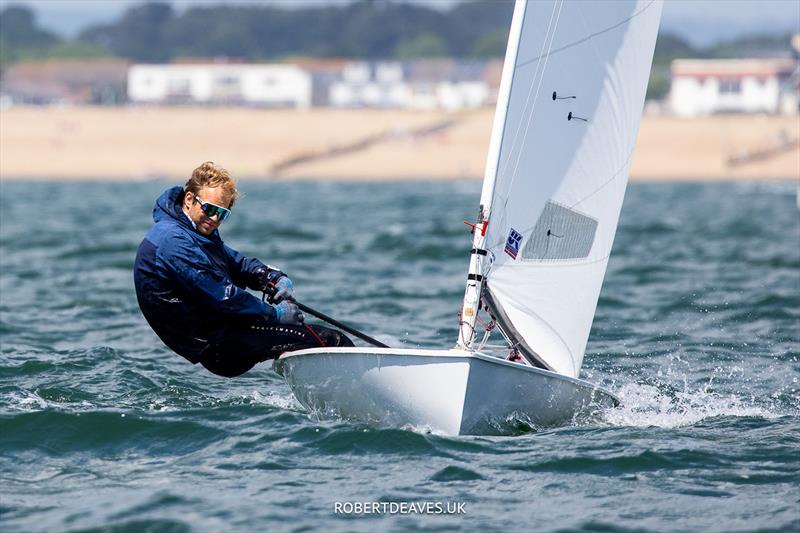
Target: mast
{"points": [[564, 136], [478, 256]]}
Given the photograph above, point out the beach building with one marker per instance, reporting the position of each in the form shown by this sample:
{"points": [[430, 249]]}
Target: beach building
{"points": [[704, 87], [59, 82], [446, 84], [268, 85], [324, 73], [365, 84], [422, 84]]}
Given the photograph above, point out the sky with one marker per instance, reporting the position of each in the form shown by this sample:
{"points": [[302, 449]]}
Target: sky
{"points": [[701, 22]]}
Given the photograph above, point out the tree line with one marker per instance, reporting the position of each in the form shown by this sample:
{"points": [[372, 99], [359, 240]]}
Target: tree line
{"points": [[366, 29], [155, 32]]}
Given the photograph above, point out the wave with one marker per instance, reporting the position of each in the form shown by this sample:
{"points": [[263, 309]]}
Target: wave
{"points": [[645, 405], [59, 432]]}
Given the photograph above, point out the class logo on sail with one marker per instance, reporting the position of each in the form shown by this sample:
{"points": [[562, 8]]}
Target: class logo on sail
{"points": [[512, 243]]}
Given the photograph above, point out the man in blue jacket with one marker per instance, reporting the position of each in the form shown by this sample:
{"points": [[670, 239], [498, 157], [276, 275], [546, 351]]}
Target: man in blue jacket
{"points": [[191, 286]]}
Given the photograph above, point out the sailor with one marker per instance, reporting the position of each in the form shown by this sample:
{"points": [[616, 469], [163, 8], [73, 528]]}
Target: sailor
{"points": [[191, 286]]}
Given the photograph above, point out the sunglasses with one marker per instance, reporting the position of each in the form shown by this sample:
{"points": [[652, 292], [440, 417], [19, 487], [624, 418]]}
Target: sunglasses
{"points": [[210, 209]]}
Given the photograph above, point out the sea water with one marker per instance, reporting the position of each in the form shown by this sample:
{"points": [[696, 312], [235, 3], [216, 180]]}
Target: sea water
{"points": [[697, 330]]}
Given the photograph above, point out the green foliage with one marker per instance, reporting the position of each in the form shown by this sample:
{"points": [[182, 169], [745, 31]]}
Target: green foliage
{"points": [[63, 50], [423, 45], [17, 29], [491, 44], [470, 22], [669, 47], [19, 36], [751, 45], [658, 87], [139, 35], [365, 29], [368, 29], [76, 50], [21, 40]]}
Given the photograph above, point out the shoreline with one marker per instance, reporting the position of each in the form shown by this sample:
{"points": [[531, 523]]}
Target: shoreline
{"points": [[158, 144]]}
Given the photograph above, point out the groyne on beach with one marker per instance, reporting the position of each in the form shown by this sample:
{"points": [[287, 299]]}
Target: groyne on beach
{"points": [[150, 143]]}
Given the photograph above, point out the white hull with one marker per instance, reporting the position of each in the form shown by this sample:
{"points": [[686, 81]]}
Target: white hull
{"points": [[449, 391]]}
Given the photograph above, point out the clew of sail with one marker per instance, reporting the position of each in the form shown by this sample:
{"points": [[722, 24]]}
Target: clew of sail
{"points": [[574, 104]]}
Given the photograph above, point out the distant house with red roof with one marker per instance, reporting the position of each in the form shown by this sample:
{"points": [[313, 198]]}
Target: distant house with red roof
{"points": [[704, 87]]}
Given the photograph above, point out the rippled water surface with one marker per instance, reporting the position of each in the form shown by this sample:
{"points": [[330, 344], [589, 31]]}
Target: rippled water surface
{"points": [[697, 330]]}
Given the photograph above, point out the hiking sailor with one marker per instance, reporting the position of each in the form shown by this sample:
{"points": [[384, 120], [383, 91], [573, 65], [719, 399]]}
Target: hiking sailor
{"points": [[191, 286]]}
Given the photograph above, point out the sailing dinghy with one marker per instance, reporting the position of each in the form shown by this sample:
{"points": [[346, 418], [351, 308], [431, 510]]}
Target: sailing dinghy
{"points": [[564, 132]]}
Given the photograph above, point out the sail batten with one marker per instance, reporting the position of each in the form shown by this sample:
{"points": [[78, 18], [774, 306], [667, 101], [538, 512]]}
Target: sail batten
{"points": [[574, 99]]}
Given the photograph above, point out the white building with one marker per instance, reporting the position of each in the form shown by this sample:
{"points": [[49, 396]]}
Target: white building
{"points": [[446, 84], [253, 84], [369, 85], [423, 84], [702, 87]]}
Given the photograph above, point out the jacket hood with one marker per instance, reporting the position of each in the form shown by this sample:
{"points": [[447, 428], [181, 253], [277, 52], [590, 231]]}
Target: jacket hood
{"points": [[168, 206]]}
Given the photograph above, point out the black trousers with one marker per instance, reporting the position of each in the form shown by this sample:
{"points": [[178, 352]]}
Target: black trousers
{"points": [[243, 345]]}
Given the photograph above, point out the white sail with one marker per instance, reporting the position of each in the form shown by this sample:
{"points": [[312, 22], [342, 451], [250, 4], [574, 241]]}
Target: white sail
{"points": [[555, 184]]}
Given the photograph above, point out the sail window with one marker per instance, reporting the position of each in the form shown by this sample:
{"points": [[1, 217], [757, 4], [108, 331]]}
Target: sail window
{"points": [[560, 233]]}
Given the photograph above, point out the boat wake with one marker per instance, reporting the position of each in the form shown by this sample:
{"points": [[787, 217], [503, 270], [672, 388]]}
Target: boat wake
{"points": [[645, 405], [275, 399]]}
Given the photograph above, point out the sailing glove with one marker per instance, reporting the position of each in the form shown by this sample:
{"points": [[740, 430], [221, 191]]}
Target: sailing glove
{"points": [[284, 290], [288, 313], [273, 282]]}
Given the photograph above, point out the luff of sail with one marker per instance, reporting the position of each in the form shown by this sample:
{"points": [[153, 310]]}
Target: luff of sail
{"points": [[574, 105]]}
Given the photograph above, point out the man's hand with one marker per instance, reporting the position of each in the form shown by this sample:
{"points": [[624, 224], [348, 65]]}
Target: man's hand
{"points": [[274, 283], [288, 313], [284, 290]]}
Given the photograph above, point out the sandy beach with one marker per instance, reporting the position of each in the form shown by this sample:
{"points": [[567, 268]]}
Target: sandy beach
{"points": [[151, 143]]}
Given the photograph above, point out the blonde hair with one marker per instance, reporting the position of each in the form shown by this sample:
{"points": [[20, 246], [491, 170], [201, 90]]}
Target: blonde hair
{"points": [[210, 175]]}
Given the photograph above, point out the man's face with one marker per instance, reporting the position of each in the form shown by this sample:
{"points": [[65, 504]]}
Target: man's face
{"points": [[212, 195]]}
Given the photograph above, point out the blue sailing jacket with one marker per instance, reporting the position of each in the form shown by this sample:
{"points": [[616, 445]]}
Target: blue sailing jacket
{"points": [[190, 286]]}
